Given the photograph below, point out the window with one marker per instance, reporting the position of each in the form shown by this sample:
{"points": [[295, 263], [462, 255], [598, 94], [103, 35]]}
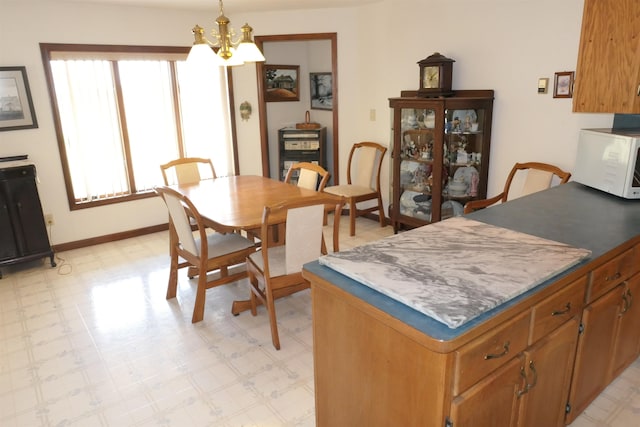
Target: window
{"points": [[121, 111]]}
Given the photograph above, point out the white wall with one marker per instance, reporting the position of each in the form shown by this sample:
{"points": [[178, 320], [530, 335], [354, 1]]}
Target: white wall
{"points": [[505, 45]]}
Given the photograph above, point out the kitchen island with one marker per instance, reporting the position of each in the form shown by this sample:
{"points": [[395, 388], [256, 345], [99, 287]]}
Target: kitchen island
{"points": [[535, 359]]}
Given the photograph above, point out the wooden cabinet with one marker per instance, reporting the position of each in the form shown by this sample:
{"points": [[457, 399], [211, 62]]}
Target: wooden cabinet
{"points": [[611, 330], [530, 390], [301, 145], [440, 156], [23, 233], [547, 366], [608, 72], [377, 362]]}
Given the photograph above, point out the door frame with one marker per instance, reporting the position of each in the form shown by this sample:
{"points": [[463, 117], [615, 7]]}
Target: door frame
{"points": [[262, 105]]}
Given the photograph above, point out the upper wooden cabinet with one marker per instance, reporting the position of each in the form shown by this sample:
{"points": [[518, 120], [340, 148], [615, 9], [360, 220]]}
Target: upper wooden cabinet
{"points": [[608, 71]]}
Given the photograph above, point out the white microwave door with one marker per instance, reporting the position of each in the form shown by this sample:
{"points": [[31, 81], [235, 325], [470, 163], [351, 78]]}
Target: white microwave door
{"points": [[602, 161]]}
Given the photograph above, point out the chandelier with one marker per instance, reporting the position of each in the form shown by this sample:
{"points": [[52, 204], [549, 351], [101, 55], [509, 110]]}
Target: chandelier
{"points": [[229, 52]]}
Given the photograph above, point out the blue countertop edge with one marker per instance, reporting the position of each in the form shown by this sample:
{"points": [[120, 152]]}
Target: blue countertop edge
{"points": [[546, 214], [414, 318]]}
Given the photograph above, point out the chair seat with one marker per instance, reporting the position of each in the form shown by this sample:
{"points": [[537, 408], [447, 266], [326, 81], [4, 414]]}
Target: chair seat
{"points": [[222, 244], [349, 190], [277, 262]]}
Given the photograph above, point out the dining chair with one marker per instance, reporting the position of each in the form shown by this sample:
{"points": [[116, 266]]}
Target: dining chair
{"points": [[308, 175], [363, 182], [276, 271], [187, 170], [211, 253], [539, 176]]}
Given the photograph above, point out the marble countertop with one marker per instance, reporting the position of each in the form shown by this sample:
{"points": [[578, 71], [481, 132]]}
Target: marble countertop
{"points": [[455, 270], [571, 213]]}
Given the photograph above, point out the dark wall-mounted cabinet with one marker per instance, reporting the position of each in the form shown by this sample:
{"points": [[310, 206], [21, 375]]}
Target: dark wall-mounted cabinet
{"points": [[23, 232]]}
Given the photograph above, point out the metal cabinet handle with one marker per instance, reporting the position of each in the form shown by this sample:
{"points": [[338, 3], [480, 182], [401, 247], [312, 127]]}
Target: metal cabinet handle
{"points": [[528, 385], [505, 346], [535, 375], [627, 300], [567, 308], [614, 277], [525, 388]]}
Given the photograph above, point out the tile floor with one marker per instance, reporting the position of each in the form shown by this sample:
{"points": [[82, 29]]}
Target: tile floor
{"points": [[93, 342]]}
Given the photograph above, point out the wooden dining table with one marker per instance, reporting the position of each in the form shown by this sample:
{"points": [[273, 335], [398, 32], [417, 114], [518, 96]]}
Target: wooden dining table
{"points": [[229, 204]]}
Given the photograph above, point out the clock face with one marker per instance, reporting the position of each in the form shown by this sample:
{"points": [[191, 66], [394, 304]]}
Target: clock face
{"points": [[431, 78]]}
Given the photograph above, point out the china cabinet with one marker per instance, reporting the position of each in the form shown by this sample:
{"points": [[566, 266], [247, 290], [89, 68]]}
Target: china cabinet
{"points": [[608, 70], [23, 233], [301, 145], [440, 156]]}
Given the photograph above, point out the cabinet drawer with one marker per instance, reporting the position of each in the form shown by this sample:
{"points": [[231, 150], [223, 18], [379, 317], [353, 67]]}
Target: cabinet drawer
{"points": [[610, 274], [555, 310], [489, 351]]}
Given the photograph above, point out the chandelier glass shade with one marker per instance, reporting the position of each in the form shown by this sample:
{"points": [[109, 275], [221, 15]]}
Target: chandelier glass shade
{"points": [[229, 52]]}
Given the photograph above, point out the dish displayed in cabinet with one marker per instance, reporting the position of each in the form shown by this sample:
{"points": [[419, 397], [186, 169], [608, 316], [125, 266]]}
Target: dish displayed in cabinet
{"points": [[469, 177]]}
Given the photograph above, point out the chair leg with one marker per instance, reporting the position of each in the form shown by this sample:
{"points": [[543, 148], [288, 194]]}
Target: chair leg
{"points": [[271, 309], [253, 283], [172, 287], [352, 218], [383, 219], [198, 309]]}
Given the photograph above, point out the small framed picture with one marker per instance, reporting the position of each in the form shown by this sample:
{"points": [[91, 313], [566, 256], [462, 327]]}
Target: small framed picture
{"points": [[281, 83], [321, 86], [563, 86], [16, 106]]}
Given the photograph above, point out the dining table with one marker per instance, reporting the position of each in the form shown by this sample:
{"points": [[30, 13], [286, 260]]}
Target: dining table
{"points": [[236, 203]]}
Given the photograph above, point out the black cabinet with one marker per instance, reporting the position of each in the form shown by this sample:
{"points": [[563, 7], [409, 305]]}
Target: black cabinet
{"points": [[23, 232], [301, 145]]}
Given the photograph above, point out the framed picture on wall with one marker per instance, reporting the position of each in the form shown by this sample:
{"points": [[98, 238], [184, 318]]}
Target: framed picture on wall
{"points": [[563, 86], [16, 106], [321, 85], [281, 83]]}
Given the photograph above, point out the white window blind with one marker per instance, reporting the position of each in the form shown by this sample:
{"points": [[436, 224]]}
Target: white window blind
{"points": [[122, 115]]}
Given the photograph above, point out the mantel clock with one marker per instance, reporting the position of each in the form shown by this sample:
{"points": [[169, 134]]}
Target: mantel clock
{"points": [[435, 76]]}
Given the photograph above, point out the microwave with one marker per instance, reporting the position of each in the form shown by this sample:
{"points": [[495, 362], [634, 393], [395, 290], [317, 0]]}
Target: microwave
{"points": [[609, 160]]}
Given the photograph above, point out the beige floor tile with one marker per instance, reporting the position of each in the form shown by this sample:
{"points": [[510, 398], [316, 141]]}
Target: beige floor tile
{"points": [[94, 342]]}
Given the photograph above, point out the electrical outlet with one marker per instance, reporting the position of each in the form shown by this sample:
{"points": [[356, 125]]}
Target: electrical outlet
{"points": [[48, 219]]}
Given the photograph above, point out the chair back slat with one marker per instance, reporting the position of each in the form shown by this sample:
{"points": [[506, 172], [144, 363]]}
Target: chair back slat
{"points": [[187, 170], [537, 180], [308, 179], [303, 236], [365, 167], [308, 175], [187, 173], [180, 222]]}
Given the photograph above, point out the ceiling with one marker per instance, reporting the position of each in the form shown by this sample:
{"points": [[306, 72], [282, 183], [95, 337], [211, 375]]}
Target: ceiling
{"points": [[231, 6]]}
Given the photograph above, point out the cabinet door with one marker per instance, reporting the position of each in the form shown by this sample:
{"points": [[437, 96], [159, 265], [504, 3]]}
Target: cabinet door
{"points": [[8, 249], [628, 335], [548, 366], [493, 401], [608, 71], [30, 224], [417, 166], [593, 356]]}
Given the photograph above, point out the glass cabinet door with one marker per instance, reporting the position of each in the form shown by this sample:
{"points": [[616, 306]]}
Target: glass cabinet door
{"points": [[416, 156], [462, 159]]}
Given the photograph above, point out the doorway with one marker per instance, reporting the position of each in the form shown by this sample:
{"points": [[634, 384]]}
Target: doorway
{"points": [[332, 150]]}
